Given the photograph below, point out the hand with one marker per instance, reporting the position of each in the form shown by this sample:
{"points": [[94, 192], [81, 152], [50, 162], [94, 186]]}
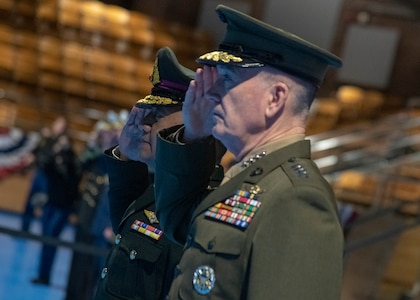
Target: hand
{"points": [[131, 135], [197, 109], [108, 235]]}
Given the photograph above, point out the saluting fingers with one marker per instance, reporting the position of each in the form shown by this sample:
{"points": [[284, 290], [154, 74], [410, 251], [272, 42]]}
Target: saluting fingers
{"points": [[132, 116], [199, 81], [209, 77]]}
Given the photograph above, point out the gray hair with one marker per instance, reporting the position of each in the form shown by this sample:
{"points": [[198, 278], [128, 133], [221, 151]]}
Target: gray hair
{"points": [[303, 90]]}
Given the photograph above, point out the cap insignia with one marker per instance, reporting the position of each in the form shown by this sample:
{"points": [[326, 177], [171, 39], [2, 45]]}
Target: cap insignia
{"points": [[221, 56], [151, 216], [155, 77]]}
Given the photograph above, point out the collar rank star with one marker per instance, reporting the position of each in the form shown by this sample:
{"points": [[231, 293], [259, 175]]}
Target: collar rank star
{"points": [[253, 159]]}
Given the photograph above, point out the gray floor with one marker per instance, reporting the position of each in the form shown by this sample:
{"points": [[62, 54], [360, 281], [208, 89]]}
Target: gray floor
{"points": [[19, 263], [363, 270]]}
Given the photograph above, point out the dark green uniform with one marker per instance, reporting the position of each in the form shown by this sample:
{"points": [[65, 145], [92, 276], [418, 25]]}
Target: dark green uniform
{"points": [[142, 261], [270, 232]]}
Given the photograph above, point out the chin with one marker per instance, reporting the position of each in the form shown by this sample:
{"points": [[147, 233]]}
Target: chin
{"points": [[217, 134]]}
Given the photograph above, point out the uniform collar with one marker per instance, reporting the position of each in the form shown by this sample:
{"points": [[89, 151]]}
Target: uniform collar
{"points": [[260, 152]]}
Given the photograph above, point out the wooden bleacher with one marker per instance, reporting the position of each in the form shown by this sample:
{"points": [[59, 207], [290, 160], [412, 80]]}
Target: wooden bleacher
{"points": [[374, 165], [79, 59], [54, 52]]}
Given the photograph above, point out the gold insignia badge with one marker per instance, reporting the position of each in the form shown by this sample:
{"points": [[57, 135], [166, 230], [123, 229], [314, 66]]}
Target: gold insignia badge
{"points": [[221, 56], [151, 216], [255, 189], [155, 77]]}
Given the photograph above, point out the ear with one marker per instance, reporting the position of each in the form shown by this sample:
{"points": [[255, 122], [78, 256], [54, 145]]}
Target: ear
{"points": [[278, 95]]}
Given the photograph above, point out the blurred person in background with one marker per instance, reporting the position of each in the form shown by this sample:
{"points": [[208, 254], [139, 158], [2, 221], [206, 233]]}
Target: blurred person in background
{"points": [[37, 194], [62, 169], [92, 224]]}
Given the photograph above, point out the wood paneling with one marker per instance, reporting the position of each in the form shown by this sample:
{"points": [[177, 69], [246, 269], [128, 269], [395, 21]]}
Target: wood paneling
{"points": [[68, 49]]}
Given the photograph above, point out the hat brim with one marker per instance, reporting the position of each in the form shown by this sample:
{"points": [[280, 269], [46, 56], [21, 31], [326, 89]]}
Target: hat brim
{"points": [[153, 101], [228, 58]]}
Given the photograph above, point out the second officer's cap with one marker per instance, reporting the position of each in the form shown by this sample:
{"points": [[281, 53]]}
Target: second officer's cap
{"points": [[251, 43], [170, 81]]}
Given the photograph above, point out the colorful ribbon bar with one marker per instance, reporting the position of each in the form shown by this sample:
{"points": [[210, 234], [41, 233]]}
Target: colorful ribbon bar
{"points": [[237, 210], [147, 229]]}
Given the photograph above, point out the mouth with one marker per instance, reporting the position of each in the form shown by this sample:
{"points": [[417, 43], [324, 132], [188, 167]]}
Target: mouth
{"points": [[217, 115], [142, 141]]}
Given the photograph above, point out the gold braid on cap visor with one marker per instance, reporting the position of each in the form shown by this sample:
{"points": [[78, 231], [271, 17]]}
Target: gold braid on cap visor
{"points": [[157, 100], [220, 56]]}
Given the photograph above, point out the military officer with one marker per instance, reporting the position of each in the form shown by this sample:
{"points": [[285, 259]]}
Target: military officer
{"points": [[271, 230], [141, 263]]}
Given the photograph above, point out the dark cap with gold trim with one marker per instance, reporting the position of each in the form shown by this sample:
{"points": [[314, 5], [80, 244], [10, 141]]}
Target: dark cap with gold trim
{"points": [[170, 81], [251, 43]]}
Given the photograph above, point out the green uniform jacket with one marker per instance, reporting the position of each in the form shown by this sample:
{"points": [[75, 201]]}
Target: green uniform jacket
{"points": [[290, 249], [141, 263]]}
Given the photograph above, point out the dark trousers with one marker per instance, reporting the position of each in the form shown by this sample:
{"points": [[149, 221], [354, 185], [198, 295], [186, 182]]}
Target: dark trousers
{"points": [[84, 270], [54, 220], [39, 185]]}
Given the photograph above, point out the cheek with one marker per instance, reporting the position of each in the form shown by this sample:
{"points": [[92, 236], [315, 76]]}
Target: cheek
{"points": [[238, 109]]}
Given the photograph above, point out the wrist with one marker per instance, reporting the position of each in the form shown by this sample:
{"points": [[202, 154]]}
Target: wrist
{"points": [[187, 137]]}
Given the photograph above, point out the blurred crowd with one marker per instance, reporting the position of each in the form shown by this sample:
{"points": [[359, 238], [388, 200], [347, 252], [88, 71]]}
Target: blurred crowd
{"points": [[66, 188]]}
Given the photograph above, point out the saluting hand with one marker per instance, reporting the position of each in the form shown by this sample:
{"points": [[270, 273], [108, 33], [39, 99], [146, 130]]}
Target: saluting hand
{"points": [[131, 135], [197, 109]]}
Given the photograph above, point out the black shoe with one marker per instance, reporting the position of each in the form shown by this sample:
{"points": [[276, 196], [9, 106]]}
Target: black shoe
{"points": [[40, 281]]}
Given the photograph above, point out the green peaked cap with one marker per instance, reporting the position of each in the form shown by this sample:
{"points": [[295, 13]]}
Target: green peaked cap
{"points": [[170, 81], [251, 43]]}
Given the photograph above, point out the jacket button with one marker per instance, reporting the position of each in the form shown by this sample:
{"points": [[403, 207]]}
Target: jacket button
{"points": [[133, 254], [210, 245], [177, 271], [104, 272], [188, 243], [118, 238]]}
